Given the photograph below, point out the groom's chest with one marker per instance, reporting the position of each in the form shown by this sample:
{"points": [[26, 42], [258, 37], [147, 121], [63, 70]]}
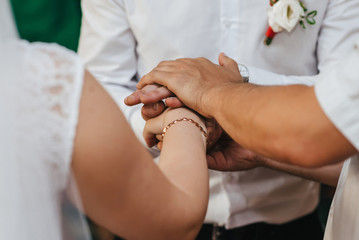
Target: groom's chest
{"points": [[193, 28]]}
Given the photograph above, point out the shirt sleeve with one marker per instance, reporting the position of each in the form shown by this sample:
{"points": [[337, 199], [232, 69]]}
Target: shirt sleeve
{"points": [[338, 94], [339, 30], [107, 47]]}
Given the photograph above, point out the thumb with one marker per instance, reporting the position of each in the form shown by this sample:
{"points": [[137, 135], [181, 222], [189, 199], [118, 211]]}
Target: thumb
{"points": [[227, 62], [216, 161]]}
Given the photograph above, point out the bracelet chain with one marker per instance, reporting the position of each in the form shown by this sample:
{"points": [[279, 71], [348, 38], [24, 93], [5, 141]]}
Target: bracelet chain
{"points": [[187, 120]]}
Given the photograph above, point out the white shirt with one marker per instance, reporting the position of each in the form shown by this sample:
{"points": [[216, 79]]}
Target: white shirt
{"points": [[121, 40], [338, 96]]}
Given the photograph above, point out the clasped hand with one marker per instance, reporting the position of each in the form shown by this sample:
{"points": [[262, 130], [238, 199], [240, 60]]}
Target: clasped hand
{"points": [[193, 81]]}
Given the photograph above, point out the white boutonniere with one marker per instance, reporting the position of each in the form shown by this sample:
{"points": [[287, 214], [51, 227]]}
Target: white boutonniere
{"points": [[285, 15]]}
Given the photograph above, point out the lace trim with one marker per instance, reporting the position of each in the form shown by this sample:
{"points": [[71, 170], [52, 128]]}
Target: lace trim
{"points": [[49, 95]]}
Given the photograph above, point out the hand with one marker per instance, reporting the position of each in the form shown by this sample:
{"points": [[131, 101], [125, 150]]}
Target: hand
{"points": [[190, 80], [152, 132], [228, 155], [214, 132], [151, 96]]}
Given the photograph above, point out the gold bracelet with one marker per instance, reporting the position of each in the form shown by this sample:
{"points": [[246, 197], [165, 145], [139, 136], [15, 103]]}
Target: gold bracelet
{"points": [[183, 119]]}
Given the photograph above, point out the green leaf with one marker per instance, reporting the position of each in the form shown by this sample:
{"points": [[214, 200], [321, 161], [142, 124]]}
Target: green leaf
{"points": [[312, 14], [268, 41], [272, 2], [310, 17], [302, 24]]}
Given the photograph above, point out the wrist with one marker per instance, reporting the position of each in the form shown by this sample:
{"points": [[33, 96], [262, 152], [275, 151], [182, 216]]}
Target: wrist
{"points": [[209, 102], [176, 113], [215, 99], [186, 119]]}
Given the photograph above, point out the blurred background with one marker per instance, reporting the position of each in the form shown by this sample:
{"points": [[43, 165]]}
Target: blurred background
{"points": [[54, 21]]}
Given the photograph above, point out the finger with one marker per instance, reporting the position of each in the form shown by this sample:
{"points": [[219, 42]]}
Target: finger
{"points": [[152, 128], [149, 138], [167, 66], [174, 102], [227, 62], [159, 145], [149, 111], [150, 141], [156, 95], [216, 161], [155, 77], [159, 137], [135, 97], [214, 131], [211, 162]]}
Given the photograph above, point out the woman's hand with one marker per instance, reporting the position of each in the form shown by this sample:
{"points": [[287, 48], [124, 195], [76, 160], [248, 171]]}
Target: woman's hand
{"points": [[152, 132], [153, 129]]}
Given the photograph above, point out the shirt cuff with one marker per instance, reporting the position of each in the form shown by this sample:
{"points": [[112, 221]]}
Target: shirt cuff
{"points": [[263, 77]]}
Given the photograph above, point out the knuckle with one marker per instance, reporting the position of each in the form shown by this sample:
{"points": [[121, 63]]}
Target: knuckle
{"points": [[145, 77], [149, 76], [202, 59], [162, 63], [177, 75]]}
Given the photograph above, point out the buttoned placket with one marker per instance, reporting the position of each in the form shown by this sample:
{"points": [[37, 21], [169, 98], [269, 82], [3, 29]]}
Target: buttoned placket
{"points": [[216, 232], [229, 14], [230, 11]]}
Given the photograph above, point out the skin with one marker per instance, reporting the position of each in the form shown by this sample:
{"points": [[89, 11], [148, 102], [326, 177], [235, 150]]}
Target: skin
{"points": [[291, 127], [120, 185], [228, 155]]}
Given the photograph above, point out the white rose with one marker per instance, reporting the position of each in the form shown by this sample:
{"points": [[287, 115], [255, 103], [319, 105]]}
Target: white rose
{"points": [[284, 14]]}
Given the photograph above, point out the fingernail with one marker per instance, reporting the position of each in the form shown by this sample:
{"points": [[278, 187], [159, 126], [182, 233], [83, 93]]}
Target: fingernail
{"points": [[131, 97]]}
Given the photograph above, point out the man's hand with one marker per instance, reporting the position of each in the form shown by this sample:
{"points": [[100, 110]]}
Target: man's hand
{"points": [[151, 96], [214, 131], [190, 80], [228, 155]]}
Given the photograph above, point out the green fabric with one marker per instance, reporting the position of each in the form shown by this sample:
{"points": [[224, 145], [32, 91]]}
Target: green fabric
{"points": [[49, 21]]}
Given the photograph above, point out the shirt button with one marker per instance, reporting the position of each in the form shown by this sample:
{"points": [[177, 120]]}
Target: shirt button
{"points": [[229, 177], [227, 24]]}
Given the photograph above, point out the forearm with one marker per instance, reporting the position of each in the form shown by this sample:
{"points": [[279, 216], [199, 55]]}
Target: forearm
{"points": [[121, 187], [132, 114], [284, 123], [328, 175], [183, 161]]}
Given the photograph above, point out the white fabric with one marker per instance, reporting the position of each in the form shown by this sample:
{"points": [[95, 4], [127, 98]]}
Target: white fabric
{"points": [[7, 24], [121, 40], [338, 95], [39, 96]]}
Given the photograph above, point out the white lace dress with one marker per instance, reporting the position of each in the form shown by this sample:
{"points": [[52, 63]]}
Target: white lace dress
{"points": [[39, 112]]}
